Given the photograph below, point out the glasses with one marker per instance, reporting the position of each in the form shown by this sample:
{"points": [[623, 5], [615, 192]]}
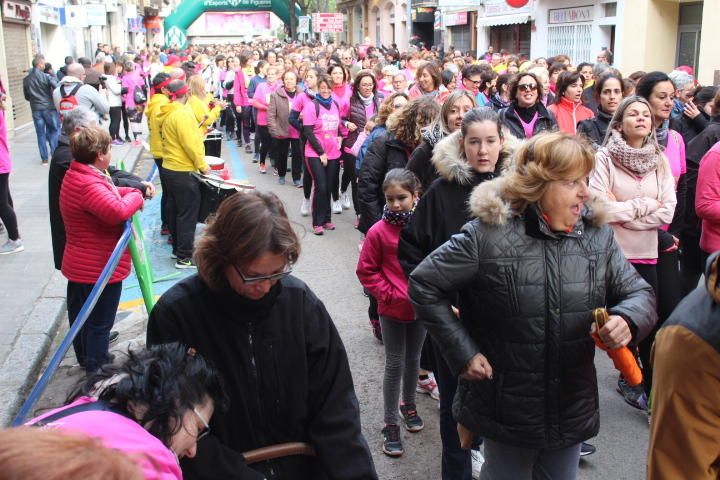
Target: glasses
{"points": [[206, 430], [474, 82], [527, 87], [271, 278]]}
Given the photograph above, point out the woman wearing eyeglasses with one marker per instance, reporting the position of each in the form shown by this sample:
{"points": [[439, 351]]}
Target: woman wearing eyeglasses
{"points": [[283, 363], [526, 115], [155, 407]]}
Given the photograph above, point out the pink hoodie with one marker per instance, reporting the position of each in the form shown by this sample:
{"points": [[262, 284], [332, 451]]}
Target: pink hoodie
{"points": [[120, 433], [379, 271], [261, 99], [707, 199]]}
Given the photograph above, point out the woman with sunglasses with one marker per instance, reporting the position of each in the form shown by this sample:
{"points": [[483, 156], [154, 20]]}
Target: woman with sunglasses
{"points": [[283, 363], [526, 115], [155, 407]]}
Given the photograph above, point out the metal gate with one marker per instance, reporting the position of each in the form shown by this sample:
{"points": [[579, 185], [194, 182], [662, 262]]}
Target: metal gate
{"points": [[460, 37], [18, 64], [572, 40]]}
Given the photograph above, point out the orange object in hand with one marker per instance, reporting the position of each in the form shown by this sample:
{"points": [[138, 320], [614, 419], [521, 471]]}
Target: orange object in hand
{"points": [[623, 359]]}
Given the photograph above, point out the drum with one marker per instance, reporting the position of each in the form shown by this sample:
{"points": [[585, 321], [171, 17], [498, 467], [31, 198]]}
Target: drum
{"points": [[212, 193], [215, 163], [213, 143]]}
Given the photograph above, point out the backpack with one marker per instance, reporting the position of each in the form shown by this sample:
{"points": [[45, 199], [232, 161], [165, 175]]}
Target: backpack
{"points": [[68, 101], [139, 96]]}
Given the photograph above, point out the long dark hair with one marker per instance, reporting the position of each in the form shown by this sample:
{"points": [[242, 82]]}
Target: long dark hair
{"points": [[159, 384], [645, 85]]}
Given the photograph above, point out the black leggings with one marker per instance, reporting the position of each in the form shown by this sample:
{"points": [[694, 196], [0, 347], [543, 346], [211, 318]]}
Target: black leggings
{"points": [[322, 179], [265, 141], [691, 263], [281, 146], [349, 177], [307, 177], [115, 114], [125, 121], [7, 212], [242, 121]]}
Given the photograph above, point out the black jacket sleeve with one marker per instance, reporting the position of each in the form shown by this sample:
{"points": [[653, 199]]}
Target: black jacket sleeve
{"points": [[370, 181], [420, 163], [121, 178], [416, 238], [334, 426], [679, 216], [312, 139]]}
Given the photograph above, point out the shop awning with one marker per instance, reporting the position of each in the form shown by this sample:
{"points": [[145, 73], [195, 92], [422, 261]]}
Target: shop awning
{"points": [[503, 20]]}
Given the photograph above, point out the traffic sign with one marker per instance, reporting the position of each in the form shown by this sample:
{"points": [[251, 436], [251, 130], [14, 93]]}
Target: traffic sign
{"points": [[328, 22]]}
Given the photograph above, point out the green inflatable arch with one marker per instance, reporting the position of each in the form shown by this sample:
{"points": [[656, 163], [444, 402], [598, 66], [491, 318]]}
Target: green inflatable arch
{"points": [[188, 11]]}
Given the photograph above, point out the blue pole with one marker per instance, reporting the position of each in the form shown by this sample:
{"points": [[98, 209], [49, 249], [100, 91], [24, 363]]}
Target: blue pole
{"points": [[82, 317]]}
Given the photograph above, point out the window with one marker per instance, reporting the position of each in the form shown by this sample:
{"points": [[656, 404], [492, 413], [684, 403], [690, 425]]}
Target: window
{"points": [[572, 40], [460, 37]]}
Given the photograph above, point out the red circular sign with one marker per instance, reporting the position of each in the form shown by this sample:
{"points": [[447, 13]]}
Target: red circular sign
{"points": [[517, 3]]}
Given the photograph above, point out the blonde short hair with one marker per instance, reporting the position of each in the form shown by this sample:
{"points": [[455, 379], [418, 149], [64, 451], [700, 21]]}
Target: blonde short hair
{"points": [[196, 85], [89, 142], [545, 158]]}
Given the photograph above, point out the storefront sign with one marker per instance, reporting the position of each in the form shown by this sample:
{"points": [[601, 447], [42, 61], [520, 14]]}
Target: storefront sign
{"points": [[17, 12], [303, 24], [327, 22], [96, 15], [423, 14], [47, 14], [237, 4], [570, 15], [457, 4], [501, 7], [76, 16], [135, 25], [151, 22], [248, 23], [456, 18]]}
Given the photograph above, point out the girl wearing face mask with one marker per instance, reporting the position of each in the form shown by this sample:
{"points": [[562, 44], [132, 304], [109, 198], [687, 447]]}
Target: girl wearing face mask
{"points": [[608, 90], [568, 108], [260, 101], [526, 115], [380, 274], [633, 180], [450, 119], [156, 406]]}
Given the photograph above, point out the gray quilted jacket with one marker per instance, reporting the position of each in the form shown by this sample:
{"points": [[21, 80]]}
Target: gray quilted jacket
{"points": [[526, 295]]}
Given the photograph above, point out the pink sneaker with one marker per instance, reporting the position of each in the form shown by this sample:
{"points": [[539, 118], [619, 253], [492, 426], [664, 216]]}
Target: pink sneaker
{"points": [[329, 226], [318, 230], [263, 168], [429, 387]]}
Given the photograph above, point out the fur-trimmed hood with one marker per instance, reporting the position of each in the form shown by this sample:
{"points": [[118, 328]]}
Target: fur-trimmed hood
{"points": [[450, 162], [487, 204]]}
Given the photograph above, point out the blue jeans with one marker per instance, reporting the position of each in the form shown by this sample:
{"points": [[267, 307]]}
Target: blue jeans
{"points": [[47, 131]]}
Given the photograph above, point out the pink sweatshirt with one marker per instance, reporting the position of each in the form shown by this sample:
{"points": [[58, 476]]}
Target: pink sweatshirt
{"points": [[120, 433], [379, 271], [130, 81], [5, 163], [261, 99], [635, 206], [707, 199], [327, 127]]}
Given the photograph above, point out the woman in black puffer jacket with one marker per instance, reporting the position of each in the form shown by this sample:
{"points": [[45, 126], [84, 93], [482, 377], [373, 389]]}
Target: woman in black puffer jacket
{"points": [[529, 271]]}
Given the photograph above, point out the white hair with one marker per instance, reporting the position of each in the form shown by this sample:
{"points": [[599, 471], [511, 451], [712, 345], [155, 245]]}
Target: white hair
{"points": [[681, 79]]}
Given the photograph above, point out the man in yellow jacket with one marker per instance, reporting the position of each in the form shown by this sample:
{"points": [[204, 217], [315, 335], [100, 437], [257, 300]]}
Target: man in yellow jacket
{"points": [[157, 100], [183, 154]]}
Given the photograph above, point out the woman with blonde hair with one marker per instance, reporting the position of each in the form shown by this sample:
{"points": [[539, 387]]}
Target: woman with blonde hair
{"points": [[521, 341], [633, 180], [205, 108]]}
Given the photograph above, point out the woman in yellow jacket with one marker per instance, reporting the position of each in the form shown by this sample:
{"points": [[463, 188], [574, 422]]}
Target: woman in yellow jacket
{"points": [[157, 100], [183, 155], [205, 108]]}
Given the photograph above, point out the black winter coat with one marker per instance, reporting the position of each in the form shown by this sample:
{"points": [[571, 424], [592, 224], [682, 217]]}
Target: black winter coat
{"points": [[688, 127], [694, 151], [385, 153], [526, 296], [357, 116], [420, 163], [59, 164], [595, 128], [286, 372], [545, 122], [38, 88]]}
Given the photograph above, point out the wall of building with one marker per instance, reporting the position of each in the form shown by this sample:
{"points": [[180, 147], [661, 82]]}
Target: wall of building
{"points": [[647, 37], [709, 62]]}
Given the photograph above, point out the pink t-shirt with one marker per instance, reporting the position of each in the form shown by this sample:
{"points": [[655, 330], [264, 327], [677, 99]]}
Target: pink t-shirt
{"points": [[342, 96], [261, 101], [326, 127], [120, 433]]}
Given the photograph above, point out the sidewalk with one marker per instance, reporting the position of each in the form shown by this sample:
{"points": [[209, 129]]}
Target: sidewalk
{"points": [[32, 292]]}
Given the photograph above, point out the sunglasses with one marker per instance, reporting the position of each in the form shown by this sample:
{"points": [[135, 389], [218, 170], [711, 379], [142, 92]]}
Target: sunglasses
{"points": [[206, 430], [271, 278], [527, 87]]}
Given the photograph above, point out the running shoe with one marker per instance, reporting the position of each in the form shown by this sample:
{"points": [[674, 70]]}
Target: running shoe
{"points": [[428, 386], [392, 445], [263, 168], [12, 246], [318, 230], [411, 419], [329, 226], [305, 207]]}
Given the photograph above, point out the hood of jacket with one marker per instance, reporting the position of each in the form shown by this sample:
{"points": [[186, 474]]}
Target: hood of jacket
{"points": [[487, 204], [167, 109], [450, 162], [69, 79]]}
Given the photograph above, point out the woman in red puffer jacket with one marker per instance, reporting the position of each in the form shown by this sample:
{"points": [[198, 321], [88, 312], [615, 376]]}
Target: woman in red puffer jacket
{"points": [[568, 108], [94, 211]]}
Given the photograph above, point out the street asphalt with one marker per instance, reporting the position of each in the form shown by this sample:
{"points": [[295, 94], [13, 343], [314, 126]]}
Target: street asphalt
{"points": [[327, 264]]}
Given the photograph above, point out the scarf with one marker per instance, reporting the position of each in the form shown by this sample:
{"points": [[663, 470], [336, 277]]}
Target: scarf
{"points": [[638, 160], [661, 133], [325, 102], [397, 218], [432, 134], [365, 100], [527, 114], [290, 94]]}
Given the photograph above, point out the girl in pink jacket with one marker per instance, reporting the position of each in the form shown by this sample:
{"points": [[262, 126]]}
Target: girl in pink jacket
{"points": [[379, 271], [261, 101]]}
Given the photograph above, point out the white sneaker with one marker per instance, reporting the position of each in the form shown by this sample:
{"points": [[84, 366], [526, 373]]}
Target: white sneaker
{"points": [[428, 387], [345, 200], [11, 246], [336, 207], [477, 463], [305, 207]]}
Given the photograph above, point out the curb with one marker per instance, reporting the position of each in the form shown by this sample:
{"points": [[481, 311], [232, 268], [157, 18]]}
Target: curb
{"points": [[31, 345]]}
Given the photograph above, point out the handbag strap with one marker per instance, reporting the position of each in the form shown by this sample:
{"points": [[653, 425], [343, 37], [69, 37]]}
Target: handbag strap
{"points": [[85, 407]]}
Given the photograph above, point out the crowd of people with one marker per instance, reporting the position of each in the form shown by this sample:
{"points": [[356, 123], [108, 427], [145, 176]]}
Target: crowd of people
{"points": [[499, 202]]}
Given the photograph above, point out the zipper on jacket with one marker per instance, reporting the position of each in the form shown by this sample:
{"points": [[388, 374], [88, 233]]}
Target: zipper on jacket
{"points": [[256, 377], [593, 267], [510, 280]]}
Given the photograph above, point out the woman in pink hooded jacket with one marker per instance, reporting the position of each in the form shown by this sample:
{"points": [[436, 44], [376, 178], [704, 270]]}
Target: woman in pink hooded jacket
{"points": [[7, 213]]}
